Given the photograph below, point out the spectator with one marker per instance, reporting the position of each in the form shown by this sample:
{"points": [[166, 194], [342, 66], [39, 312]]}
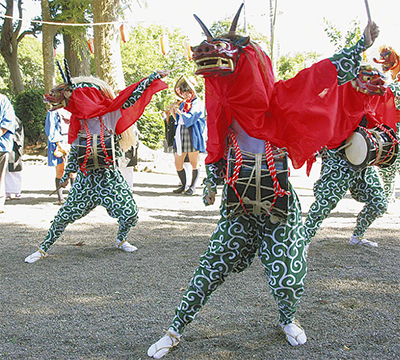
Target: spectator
{"points": [[14, 169], [189, 136], [7, 129], [56, 129]]}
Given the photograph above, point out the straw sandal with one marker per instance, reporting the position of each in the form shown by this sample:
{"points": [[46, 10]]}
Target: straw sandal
{"points": [[354, 240], [294, 334], [154, 351], [125, 246], [37, 255]]}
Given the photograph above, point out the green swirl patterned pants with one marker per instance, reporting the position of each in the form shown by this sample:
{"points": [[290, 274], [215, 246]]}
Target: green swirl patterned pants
{"points": [[232, 248], [336, 178], [388, 176], [105, 187]]}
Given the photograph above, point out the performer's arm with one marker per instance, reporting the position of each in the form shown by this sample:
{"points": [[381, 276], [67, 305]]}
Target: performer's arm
{"points": [[215, 176], [140, 89], [72, 165], [118, 147], [348, 60]]}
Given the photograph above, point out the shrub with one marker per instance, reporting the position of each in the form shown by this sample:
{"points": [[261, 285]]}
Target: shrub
{"points": [[151, 128], [30, 108]]}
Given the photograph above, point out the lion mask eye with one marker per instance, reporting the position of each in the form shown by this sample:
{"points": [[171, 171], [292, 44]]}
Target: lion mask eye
{"points": [[221, 45]]}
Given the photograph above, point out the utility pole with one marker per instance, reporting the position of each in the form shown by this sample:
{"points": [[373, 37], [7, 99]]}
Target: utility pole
{"points": [[245, 18], [272, 17]]}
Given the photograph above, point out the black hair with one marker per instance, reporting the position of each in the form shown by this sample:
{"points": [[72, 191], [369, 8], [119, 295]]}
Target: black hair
{"points": [[185, 87]]}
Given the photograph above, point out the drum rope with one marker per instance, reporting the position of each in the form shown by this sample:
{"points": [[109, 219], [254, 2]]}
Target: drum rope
{"points": [[231, 180], [278, 191], [370, 137], [238, 164], [378, 149], [88, 148], [107, 159], [394, 141]]}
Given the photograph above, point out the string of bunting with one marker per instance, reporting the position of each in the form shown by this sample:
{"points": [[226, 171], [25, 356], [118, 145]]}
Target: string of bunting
{"points": [[163, 41], [63, 24]]}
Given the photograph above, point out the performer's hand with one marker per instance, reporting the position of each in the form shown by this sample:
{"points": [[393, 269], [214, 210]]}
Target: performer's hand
{"points": [[65, 183], [371, 32], [67, 93], [173, 107], [163, 73]]}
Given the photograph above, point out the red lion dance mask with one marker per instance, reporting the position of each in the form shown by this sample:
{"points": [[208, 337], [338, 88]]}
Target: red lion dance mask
{"points": [[370, 81], [219, 56], [388, 58]]}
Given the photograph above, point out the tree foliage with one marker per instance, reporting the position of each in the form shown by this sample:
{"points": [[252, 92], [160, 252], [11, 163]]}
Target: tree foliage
{"points": [[31, 110], [54, 14], [340, 40], [141, 56], [288, 66], [31, 65], [11, 36], [76, 49]]}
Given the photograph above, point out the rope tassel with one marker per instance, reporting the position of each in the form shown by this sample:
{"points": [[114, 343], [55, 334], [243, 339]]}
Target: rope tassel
{"points": [[272, 169], [107, 159]]}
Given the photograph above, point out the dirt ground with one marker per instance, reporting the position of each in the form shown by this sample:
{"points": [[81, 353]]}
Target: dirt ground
{"points": [[88, 300]]}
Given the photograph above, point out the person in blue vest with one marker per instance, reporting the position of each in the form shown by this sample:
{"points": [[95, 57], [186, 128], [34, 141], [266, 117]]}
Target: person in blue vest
{"points": [[7, 129], [56, 128], [189, 135]]}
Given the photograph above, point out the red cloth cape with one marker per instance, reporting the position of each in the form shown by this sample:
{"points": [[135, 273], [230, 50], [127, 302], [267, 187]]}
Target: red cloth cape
{"points": [[245, 95], [88, 102], [354, 105], [302, 114]]}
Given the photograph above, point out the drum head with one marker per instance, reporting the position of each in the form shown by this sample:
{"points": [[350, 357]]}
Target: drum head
{"points": [[357, 152]]}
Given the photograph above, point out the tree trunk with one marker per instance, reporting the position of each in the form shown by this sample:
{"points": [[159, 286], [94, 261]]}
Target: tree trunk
{"points": [[9, 48], [49, 32], [79, 62], [108, 64]]}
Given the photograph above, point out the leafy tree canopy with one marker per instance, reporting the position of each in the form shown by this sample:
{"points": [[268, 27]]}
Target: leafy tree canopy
{"points": [[31, 64], [288, 66], [340, 40], [141, 55]]}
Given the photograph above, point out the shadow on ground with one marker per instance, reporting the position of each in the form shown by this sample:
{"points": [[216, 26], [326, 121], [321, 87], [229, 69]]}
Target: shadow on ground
{"points": [[95, 302], [88, 300]]}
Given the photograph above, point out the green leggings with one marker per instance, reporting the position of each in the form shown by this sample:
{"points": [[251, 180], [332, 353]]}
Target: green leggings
{"points": [[105, 187], [336, 178], [232, 248], [388, 176]]}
